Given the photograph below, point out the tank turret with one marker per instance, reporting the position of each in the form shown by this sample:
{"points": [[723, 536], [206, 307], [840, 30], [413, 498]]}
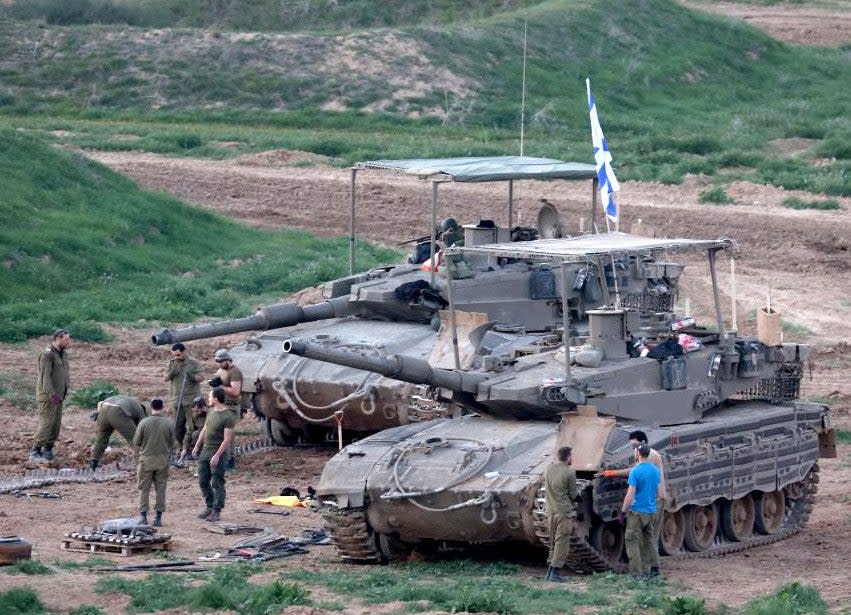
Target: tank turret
{"points": [[740, 449]]}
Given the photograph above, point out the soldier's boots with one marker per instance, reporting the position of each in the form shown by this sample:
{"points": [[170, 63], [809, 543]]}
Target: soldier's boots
{"points": [[143, 518], [48, 453], [653, 574], [158, 519], [554, 575], [214, 516], [230, 464], [94, 463], [36, 455], [206, 513]]}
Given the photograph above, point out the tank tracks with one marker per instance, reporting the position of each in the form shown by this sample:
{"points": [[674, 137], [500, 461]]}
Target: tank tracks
{"points": [[351, 535], [584, 558], [40, 477]]}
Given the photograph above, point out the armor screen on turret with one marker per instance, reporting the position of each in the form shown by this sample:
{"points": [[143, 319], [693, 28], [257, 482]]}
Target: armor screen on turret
{"points": [[585, 246]]}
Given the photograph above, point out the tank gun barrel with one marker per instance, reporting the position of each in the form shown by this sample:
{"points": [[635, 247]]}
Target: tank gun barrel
{"points": [[268, 317], [396, 366]]}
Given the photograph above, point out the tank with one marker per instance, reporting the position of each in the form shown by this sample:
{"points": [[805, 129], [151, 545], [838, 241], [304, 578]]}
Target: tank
{"points": [[740, 448], [509, 302]]}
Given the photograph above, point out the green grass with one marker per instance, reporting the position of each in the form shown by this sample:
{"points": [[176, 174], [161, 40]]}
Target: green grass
{"points": [[678, 91], [790, 599], [134, 256], [18, 389], [27, 567], [91, 562], [843, 436], [227, 588], [88, 397], [715, 194], [794, 202], [20, 601]]}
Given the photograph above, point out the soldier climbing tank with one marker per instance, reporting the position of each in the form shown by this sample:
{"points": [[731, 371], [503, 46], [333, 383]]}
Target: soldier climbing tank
{"points": [[398, 309], [740, 448]]}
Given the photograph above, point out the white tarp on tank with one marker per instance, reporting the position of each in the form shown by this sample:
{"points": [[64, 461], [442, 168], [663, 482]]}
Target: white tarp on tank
{"points": [[573, 248], [487, 168]]}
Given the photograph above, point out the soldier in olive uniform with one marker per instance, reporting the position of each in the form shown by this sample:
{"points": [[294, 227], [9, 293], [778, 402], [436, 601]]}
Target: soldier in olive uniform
{"points": [[561, 492], [229, 378], [119, 412], [154, 438], [184, 373], [193, 428], [212, 446], [50, 391]]}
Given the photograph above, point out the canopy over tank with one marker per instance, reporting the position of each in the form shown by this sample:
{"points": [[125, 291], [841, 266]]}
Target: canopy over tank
{"points": [[740, 450]]}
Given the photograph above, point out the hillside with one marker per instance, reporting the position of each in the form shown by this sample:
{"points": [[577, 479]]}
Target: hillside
{"points": [[82, 245], [680, 91]]}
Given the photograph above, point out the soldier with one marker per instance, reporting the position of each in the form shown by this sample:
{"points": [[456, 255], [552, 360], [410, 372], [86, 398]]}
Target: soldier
{"points": [[212, 446], [51, 389], [561, 491], [637, 438], [229, 378], [154, 439], [119, 412], [185, 374], [193, 428], [639, 512]]}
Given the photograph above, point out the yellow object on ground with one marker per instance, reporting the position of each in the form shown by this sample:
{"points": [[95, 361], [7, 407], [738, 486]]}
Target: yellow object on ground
{"points": [[282, 500]]}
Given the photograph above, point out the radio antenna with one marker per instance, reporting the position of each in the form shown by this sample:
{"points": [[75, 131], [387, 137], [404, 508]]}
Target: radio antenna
{"points": [[523, 92]]}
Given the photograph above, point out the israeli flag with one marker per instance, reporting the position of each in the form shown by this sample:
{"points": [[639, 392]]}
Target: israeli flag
{"points": [[605, 175]]}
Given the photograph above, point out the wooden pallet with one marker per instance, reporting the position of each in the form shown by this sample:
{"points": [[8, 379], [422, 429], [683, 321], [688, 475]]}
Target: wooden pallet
{"points": [[85, 546]]}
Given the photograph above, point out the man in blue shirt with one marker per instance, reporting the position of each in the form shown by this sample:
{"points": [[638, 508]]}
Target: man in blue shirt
{"points": [[639, 507]]}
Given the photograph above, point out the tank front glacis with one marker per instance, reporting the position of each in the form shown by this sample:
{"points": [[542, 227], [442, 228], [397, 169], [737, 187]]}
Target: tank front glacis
{"points": [[740, 451]]}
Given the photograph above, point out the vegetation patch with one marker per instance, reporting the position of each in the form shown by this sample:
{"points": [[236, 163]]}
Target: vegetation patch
{"points": [[18, 389], [135, 256], [716, 195], [794, 202], [20, 601], [28, 567], [88, 397], [227, 588]]}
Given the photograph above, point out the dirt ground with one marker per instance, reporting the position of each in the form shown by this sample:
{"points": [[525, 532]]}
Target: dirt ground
{"points": [[800, 258]]}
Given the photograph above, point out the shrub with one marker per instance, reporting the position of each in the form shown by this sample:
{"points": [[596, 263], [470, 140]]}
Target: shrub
{"points": [[715, 194], [18, 390], [794, 202], [89, 396], [29, 567], [790, 599], [684, 605], [20, 601]]}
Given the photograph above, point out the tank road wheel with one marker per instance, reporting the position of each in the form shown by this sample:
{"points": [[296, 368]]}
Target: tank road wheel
{"points": [[672, 533], [391, 547], [769, 511], [278, 432], [608, 539], [737, 518], [701, 524]]}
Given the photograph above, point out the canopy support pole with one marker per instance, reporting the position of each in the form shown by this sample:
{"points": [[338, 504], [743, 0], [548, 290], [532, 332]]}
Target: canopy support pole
{"points": [[565, 313], [716, 296], [511, 203], [352, 222], [433, 234], [452, 320]]}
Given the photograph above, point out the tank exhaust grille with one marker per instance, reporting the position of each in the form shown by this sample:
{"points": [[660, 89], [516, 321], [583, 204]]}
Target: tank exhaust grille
{"points": [[785, 385], [649, 301]]}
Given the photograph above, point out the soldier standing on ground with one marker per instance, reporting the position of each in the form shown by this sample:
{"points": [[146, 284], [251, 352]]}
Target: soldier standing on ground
{"points": [[193, 428], [213, 444], [636, 438], [561, 492], [121, 413], [229, 378], [154, 438], [51, 388], [184, 373], [639, 511]]}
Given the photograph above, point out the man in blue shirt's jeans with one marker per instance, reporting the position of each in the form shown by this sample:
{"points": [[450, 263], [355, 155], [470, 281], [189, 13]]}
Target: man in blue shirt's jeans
{"points": [[639, 507]]}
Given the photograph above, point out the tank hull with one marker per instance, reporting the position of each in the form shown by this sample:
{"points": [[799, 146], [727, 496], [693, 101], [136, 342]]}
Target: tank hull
{"points": [[479, 481]]}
